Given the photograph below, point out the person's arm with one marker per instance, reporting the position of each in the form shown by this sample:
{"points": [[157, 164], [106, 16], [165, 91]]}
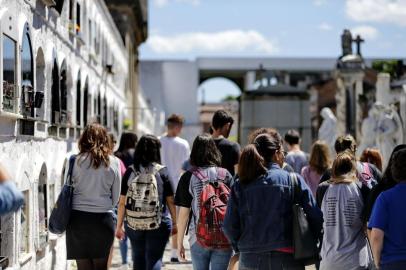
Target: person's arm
{"points": [[121, 204], [377, 224], [120, 218], [170, 202], [231, 226], [11, 199], [116, 187], [183, 220], [376, 239]]}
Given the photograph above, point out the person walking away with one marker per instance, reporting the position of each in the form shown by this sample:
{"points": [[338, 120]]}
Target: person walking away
{"points": [[367, 174], [96, 181], [126, 148], [174, 152], [259, 215], [344, 243], [11, 199], [386, 183], [319, 162], [202, 191], [372, 156], [295, 157], [273, 132], [146, 197], [125, 153], [230, 151], [388, 221]]}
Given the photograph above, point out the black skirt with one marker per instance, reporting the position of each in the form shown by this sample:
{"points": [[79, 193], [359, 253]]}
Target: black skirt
{"points": [[89, 235]]}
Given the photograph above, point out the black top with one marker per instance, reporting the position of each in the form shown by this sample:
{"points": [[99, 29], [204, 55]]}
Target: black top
{"points": [[376, 190], [126, 156], [183, 197], [230, 153], [162, 179]]}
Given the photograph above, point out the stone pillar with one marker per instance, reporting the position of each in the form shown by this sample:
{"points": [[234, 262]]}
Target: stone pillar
{"points": [[359, 77], [341, 103], [353, 83]]}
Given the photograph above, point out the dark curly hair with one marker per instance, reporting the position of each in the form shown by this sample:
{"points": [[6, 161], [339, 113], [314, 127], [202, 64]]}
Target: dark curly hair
{"points": [[147, 151]]}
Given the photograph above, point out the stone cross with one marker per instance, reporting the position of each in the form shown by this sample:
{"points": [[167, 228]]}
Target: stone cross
{"points": [[358, 40]]}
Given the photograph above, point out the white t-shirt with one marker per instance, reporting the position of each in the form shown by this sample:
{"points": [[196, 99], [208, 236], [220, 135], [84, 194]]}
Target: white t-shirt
{"points": [[174, 152]]}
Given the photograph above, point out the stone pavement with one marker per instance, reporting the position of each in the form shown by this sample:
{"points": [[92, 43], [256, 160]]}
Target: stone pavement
{"points": [[116, 264]]}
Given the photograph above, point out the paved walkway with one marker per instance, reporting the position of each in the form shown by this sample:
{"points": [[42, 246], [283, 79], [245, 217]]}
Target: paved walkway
{"points": [[116, 265]]}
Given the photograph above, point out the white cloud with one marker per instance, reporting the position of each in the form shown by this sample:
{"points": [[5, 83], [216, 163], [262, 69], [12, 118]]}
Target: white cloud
{"points": [[163, 3], [319, 3], [224, 41], [325, 26], [387, 11], [365, 31]]}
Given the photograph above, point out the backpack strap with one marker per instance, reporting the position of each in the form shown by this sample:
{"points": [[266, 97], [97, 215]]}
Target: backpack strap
{"points": [[199, 175], [366, 169], [221, 173]]}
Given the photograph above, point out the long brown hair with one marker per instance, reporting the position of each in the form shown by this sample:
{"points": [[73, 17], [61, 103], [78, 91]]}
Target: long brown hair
{"points": [[372, 156], [344, 168], [320, 157], [251, 164], [95, 144], [257, 155]]}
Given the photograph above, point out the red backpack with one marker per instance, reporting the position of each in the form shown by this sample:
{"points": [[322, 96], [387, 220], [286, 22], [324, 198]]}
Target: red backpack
{"points": [[213, 205]]}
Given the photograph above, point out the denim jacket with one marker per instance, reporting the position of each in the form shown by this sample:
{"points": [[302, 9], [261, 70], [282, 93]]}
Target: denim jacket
{"points": [[11, 199], [259, 215]]}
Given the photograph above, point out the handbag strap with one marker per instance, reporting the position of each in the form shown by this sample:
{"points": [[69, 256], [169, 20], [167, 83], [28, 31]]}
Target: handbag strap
{"points": [[295, 187], [70, 170]]}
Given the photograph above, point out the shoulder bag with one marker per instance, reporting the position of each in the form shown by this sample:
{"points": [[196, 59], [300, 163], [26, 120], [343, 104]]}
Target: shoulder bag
{"points": [[61, 211], [304, 242]]}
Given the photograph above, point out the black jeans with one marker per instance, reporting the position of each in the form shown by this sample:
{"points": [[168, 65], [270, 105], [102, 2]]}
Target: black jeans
{"points": [[148, 246], [269, 261]]}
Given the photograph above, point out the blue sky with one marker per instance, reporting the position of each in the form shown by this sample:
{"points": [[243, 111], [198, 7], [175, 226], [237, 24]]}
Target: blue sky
{"points": [[186, 29]]}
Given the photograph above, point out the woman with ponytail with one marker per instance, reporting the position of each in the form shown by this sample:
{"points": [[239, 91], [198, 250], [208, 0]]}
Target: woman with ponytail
{"points": [[259, 214], [96, 180]]}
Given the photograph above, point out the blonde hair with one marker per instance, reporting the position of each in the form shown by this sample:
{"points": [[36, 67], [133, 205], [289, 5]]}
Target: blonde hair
{"points": [[344, 168]]}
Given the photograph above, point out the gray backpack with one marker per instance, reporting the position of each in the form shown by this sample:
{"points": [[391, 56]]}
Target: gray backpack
{"points": [[143, 209]]}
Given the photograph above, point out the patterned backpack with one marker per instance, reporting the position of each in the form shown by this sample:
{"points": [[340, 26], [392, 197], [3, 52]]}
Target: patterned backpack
{"points": [[143, 209], [212, 210]]}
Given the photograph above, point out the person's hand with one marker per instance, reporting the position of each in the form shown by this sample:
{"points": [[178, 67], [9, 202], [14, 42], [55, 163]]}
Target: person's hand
{"points": [[120, 234], [3, 174], [181, 253]]}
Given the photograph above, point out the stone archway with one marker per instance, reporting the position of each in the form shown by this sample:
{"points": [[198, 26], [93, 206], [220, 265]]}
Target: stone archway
{"points": [[219, 93]]}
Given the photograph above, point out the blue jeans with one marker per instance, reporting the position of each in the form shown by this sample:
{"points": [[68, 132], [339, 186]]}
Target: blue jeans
{"points": [[124, 249], [401, 265], [269, 261], [148, 246], [213, 259]]}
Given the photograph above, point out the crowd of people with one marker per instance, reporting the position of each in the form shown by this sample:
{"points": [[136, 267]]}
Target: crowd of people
{"points": [[238, 207]]}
